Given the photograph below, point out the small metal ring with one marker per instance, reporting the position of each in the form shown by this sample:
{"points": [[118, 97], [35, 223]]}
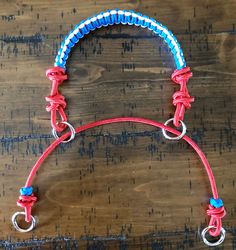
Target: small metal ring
{"points": [[16, 226], [184, 129], [218, 242], [72, 129]]}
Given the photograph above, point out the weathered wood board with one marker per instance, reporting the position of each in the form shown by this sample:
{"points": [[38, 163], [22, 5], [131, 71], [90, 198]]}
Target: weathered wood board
{"points": [[120, 186]]}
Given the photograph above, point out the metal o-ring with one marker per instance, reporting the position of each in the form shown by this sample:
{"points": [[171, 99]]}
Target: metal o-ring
{"points": [[184, 129], [218, 242], [72, 129], [18, 228]]}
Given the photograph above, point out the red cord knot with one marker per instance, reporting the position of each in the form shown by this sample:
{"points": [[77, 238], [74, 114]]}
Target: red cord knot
{"points": [[57, 102], [27, 202], [56, 74], [181, 99], [216, 213]]}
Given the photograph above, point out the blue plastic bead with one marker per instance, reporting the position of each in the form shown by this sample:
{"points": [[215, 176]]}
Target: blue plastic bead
{"points": [[26, 191], [217, 203]]}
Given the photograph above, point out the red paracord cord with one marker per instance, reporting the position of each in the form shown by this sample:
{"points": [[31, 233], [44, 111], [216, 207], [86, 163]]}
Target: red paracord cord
{"points": [[216, 213], [181, 99]]}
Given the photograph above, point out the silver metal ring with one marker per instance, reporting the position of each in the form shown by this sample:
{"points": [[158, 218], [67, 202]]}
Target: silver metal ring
{"points": [[72, 129], [184, 129], [16, 226], [218, 242]]}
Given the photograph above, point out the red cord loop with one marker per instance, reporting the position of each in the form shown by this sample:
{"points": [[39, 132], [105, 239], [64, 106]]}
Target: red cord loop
{"points": [[181, 99], [56, 74], [216, 215], [27, 203], [57, 102]]}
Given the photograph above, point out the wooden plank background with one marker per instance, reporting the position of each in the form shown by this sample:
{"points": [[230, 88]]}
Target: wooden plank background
{"points": [[120, 186]]}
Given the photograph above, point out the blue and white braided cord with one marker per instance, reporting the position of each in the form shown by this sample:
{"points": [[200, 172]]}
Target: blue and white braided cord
{"points": [[112, 17]]}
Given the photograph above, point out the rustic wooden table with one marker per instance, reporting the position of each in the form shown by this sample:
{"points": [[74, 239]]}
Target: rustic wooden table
{"points": [[120, 186]]}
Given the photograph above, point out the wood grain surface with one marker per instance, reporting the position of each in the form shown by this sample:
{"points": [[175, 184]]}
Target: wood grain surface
{"points": [[119, 186]]}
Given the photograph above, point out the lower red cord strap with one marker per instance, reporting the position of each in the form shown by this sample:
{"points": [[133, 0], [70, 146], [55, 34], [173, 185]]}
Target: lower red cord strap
{"points": [[216, 209]]}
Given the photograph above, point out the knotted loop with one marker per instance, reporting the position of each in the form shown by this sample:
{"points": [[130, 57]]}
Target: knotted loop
{"points": [[181, 74], [216, 215], [181, 99], [57, 102], [27, 202], [56, 74]]}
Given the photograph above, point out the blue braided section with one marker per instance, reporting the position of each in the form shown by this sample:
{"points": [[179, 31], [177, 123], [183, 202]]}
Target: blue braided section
{"points": [[112, 17]]}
